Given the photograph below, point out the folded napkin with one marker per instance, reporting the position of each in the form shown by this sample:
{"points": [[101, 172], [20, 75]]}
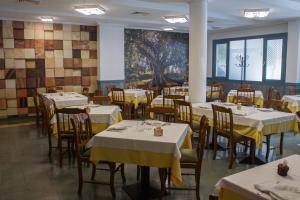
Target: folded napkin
{"points": [[239, 112], [288, 190], [117, 128]]}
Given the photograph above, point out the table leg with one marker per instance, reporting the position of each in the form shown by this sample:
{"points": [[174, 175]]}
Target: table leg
{"points": [[252, 159], [142, 190]]}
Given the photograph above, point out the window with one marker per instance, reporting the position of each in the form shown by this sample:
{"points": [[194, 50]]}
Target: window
{"points": [[255, 58]]}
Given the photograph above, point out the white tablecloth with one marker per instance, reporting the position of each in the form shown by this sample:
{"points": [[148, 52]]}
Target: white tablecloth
{"points": [[243, 183], [253, 117], [67, 99], [133, 92], [173, 89], [258, 93], [293, 100], [132, 138], [158, 101]]}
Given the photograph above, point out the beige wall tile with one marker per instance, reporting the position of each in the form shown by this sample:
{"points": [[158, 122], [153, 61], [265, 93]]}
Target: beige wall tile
{"points": [[10, 93], [48, 35], [8, 43], [67, 27], [28, 33], [49, 73], [76, 72], [20, 64], [67, 35], [77, 89], [68, 54], [19, 53], [29, 25], [59, 72], [9, 63], [30, 101], [49, 62], [68, 72], [10, 83], [1, 53], [59, 62], [48, 26], [75, 28], [39, 34], [49, 54], [2, 94], [9, 53], [93, 45], [39, 53], [84, 35], [30, 64], [41, 90], [89, 62], [29, 53], [75, 35], [57, 35], [58, 53], [12, 111], [38, 26], [12, 103], [7, 29], [85, 54], [67, 44], [68, 88]]}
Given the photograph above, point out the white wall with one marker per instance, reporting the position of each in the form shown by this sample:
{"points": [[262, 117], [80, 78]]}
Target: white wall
{"points": [[111, 52], [271, 29]]}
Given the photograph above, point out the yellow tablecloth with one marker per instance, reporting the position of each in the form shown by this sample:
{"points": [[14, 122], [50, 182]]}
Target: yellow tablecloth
{"points": [[143, 158], [225, 194], [293, 109], [288, 126], [258, 100]]}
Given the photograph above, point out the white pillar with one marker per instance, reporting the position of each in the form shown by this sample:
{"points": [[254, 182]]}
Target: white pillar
{"points": [[198, 50]]}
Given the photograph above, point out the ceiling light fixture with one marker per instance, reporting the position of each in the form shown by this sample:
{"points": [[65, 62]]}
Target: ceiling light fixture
{"points": [[256, 13], [47, 19], [176, 19], [90, 9], [168, 28]]}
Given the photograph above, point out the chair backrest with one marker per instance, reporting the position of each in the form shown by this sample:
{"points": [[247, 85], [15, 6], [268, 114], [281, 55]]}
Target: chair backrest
{"points": [[293, 90], [63, 119], [245, 86], [117, 95], [142, 86], [216, 91], [298, 114], [274, 93], [222, 120], [184, 112], [279, 105], [182, 91], [59, 88], [149, 96], [48, 111], [161, 113], [245, 96], [168, 100], [51, 90], [102, 100], [85, 91], [36, 101], [155, 89], [166, 90], [202, 138], [81, 124]]}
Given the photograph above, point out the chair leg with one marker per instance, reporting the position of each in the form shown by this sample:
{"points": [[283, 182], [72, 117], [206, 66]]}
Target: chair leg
{"points": [[138, 172], [123, 173], [169, 176], [80, 177], [50, 144], [231, 154], [281, 143], [162, 177], [208, 136], [268, 140], [252, 151], [112, 167], [215, 145], [197, 179], [93, 171], [60, 151]]}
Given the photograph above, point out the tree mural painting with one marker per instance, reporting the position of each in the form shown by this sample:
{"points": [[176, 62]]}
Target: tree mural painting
{"points": [[155, 57]]}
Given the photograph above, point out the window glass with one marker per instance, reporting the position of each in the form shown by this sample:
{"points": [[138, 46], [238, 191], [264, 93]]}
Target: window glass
{"points": [[274, 59], [236, 52], [254, 59], [221, 54]]}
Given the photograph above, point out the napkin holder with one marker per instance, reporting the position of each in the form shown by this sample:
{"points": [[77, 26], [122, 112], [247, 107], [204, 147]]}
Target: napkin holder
{"points": [[61, 94], [283, 168], [158, 131], [239, 106]]}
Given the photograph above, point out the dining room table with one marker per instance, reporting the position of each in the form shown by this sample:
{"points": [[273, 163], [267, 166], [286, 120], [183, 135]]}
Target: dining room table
{"points": [[134, 142], [263, 182], [135, 96], [259, 97], [65, 99], [184, 90], [293, 102]]}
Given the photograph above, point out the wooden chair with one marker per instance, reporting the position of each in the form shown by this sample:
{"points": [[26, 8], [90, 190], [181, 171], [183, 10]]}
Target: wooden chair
{"points": [[223, 126], [182, 91], [38, 113], [85, 91], [293, 90], [102, 100], [145, 106], [245, 86], [82, 127], [118, 98], [216, 91], [59, 89], [298, 114], [48, 111], [65, 131], [245, 96], [278, 105], [166, 90], [192, 158], [155, 90], [184, 112], [274, 93]]}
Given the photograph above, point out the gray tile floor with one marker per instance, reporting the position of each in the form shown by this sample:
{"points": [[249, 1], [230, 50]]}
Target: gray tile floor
{"points": [[27, 173]]}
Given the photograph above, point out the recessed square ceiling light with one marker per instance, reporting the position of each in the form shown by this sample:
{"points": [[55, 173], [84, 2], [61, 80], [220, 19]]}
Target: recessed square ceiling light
{"points": [[90, 9], [176, 19], [168, 28], [256, 13], [47, 19]]}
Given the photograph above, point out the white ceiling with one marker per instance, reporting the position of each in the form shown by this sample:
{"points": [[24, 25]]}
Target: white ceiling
{"points": [[222, 13]]}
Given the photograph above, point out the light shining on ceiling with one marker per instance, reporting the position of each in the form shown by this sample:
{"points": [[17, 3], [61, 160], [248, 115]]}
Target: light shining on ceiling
{"points": [[47, 19], [176, 19], [168, 28], [90, 9], [256, 13]]}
